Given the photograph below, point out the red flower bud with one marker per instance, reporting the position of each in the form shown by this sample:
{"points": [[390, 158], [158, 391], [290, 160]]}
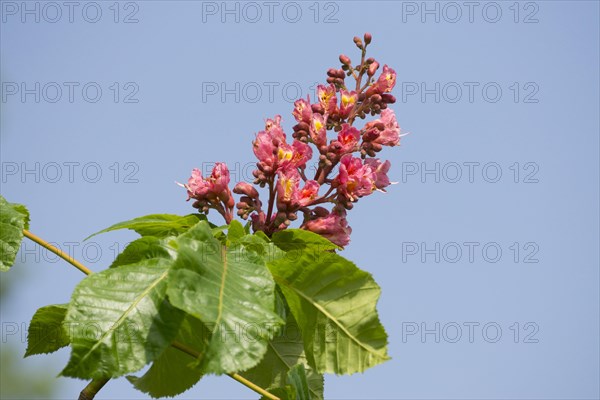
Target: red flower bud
{"points": [[246, 189], [344, 59]]}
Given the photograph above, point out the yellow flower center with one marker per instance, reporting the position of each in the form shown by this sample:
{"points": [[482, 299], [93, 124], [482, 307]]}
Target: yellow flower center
{"points": [[318, 125], [284, 155], [346, 100]]}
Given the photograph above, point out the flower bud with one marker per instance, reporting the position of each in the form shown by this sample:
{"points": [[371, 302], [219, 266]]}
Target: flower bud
{"points": [[388, 98], [247, 189], [344, 59], [358, 42], [301, 126], [373, 67], [320, 211], [332, 226], [376, 98], [317, 108], [368, 37]]}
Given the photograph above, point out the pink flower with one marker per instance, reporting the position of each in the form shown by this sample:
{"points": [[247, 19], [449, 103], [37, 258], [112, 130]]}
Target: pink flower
{"points": [[258, 221], [270, 124], [384, 84], [318, 129], [333, 227], [355, 179], [308, 193], [274, 153], [380, 169], [264, 149], [216, 185], [347, 102], [220, 179], [384, 131], [287, 189], [327, 98], [390, 136], [212, 192], [348, 139], [302, 110], [387, 80], [294, 156], [197, 186]]}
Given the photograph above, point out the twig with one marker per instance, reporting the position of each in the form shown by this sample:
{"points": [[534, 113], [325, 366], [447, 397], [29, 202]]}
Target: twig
{"points": [[58, 252], [90, 391]]}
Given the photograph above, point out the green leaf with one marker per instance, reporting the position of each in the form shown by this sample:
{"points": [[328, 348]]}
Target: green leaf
{"points": [[159, 225], [120, 320], [334, 303], [47, 332], [232, 292], [285, 352], [297, 378], [235, 231], [171, 374], [300, 240], [296, 387], [13, 219], [144, 248]]}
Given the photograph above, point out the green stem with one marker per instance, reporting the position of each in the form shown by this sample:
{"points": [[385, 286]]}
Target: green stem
{"points": [[94, 386], [90, 391]]}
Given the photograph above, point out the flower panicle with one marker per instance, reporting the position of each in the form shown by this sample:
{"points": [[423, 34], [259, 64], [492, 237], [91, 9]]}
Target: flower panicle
{"points": [[348, 152]]}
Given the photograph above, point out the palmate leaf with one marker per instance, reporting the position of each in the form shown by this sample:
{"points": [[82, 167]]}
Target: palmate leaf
{"points": [[145, 248], [300, 240], [231, 291], [284, 355], [120, 320], [47, 332], [334, 304], [171, 374], [235, 231], [158, 225], [13, 219]]}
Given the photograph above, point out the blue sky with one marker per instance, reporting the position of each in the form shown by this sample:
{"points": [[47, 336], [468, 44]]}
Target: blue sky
{"points": [[486, 249]]}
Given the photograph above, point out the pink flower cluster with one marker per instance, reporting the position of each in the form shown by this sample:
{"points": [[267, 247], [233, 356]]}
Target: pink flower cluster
{"points": [[282, 164], [212, 192]]}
